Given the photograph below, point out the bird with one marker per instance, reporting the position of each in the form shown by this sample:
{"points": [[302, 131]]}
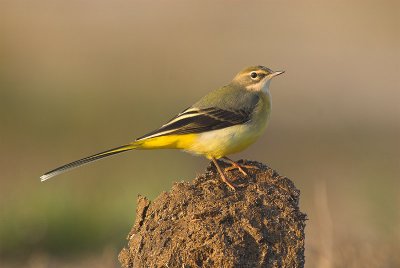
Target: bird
{"points": [[223, 122]]}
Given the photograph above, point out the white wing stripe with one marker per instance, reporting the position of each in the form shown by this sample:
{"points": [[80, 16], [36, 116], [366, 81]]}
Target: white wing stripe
{"points": [[180, 117]]}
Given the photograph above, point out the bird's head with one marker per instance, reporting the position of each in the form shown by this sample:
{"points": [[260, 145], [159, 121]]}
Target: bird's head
{"points": [[256, 78]]}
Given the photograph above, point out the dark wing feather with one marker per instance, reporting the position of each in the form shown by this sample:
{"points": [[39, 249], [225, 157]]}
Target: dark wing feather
{"points": [[193, 121]]}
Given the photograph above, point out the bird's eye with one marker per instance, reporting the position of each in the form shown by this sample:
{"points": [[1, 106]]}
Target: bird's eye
{"points": [[253, 75]]}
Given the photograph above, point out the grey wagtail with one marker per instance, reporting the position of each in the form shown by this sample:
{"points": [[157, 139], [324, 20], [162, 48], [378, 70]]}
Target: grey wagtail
{"points": [[225, 121]]}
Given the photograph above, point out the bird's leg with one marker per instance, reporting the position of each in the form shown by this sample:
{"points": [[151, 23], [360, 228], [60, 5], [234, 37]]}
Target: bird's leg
{"points": [[224, 179], [238, 166]]}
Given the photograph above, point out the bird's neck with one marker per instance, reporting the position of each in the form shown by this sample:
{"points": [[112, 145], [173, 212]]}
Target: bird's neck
{"points": [[265, 87]]}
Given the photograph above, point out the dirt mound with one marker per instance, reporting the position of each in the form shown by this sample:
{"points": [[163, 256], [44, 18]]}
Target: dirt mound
{"points": [[206, 224]]}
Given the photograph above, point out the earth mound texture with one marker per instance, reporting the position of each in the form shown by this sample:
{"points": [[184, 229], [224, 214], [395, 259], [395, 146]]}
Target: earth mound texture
{"points": [[205, 224]]}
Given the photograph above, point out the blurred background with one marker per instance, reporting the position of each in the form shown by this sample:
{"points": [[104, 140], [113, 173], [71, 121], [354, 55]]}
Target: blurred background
{"points": [[78, 77]]}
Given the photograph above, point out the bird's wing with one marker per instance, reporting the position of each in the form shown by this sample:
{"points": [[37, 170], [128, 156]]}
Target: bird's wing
{"points": [[197, 120]]}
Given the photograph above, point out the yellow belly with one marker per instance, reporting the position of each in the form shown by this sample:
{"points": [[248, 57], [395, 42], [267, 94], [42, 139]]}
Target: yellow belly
{"points": [[226, 141], [216, 143]]}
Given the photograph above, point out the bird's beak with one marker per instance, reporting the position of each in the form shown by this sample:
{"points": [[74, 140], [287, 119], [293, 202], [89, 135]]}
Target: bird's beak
{"points": [[276, 73]]}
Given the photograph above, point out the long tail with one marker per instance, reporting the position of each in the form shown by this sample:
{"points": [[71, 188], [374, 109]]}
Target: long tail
{"points": [[88, 160]]}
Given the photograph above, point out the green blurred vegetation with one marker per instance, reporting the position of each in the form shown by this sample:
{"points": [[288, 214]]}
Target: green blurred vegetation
{"points": [[80, 77]]}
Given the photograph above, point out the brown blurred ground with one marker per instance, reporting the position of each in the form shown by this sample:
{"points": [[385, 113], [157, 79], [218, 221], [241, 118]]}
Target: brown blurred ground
{"points": [[77, 77]]}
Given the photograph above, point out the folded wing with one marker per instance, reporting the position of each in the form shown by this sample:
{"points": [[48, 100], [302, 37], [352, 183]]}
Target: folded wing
{"points": [[193, 120]]}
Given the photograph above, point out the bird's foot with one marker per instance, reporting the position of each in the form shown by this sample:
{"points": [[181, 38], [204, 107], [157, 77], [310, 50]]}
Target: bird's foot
{"points": [[228, 182], [222, 175], [238, 166]]}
